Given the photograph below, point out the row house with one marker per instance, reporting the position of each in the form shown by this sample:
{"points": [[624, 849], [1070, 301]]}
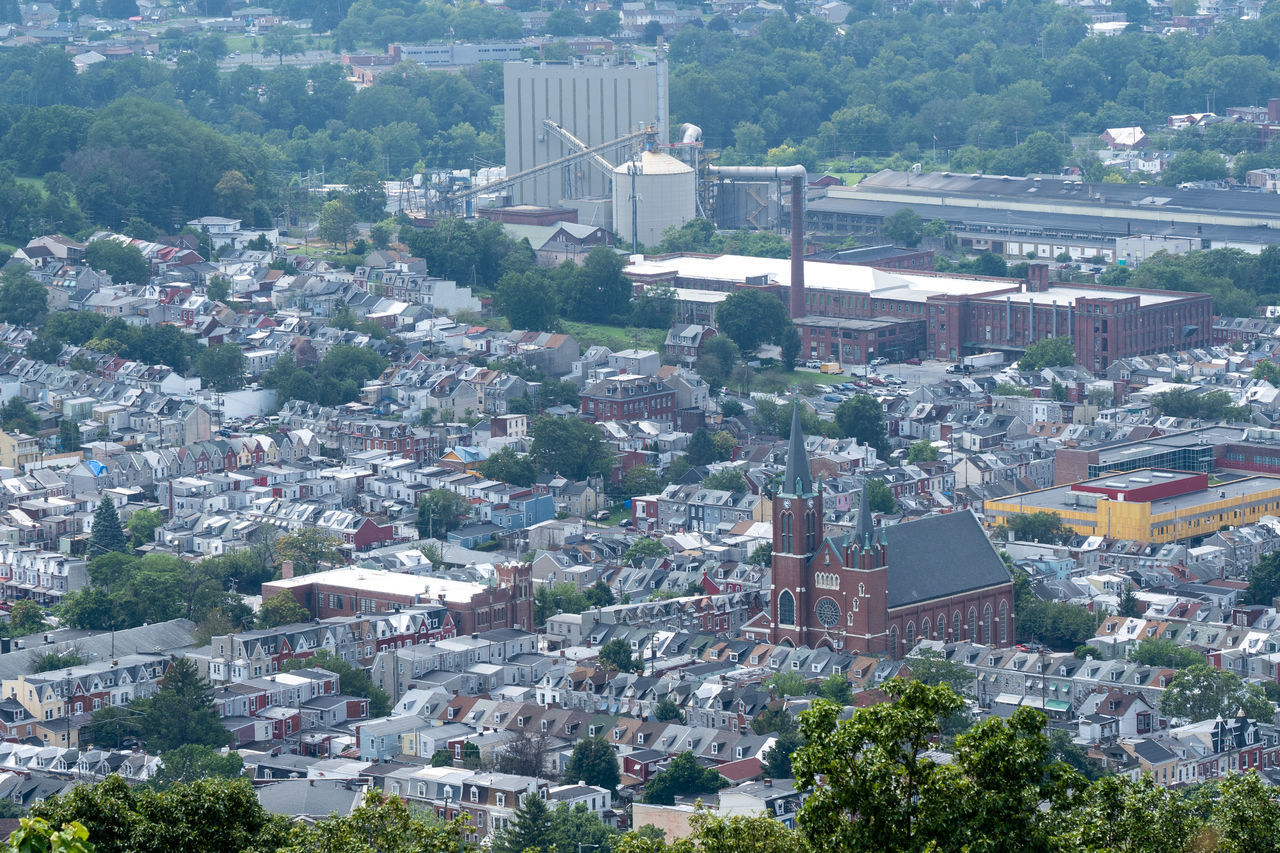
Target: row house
{"points": [[45, 576]]}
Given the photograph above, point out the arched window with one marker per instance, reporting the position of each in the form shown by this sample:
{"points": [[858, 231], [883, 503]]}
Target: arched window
{"points": [[1004, 622], [973, 624], [986, 623], [942, 625], [786, 608], [893, 642], [955, 625], [911, 635], [924, 628]]}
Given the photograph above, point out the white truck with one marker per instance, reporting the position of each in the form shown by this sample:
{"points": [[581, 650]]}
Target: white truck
{"points": [[981, 360]]}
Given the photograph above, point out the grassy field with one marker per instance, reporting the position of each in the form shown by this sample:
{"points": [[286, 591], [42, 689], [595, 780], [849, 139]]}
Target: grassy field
{"points": [[778, 380], [615, 337], [850, 178]]}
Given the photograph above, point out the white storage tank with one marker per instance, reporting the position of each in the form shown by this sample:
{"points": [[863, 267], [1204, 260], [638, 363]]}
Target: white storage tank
{"points": [[665, 190]]}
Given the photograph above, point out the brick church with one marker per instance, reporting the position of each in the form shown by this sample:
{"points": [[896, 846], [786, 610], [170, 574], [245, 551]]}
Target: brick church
{"points": [[879, 590]]}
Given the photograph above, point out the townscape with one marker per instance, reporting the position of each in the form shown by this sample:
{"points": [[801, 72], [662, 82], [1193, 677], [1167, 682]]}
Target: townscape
{"points": [[439, 426]]}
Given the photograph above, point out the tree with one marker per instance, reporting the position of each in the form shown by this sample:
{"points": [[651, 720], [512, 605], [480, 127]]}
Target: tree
{"points": [[598, 291], [717, 359], [667, 711], [1128, 603], [713, 833], [181, 712], [68, 436], [789, 344], [337, 222], [124, 262], [594, 762], [1264, 579], [352, 679], [903, 227], [507, 466], [308, 549], [471, 756], [528, 300], [1157, 651], [751, 318], [142, 526], [282, 609], [879, 496], [1201, 692], [761, 555], [110, 726], [1268, 371], [922, 451], [640, 480], [682, 777], [368, 195], [728, 480], [731, 408], [16, 416], [35, 835], [701, 450], [442, 758], [530, 828], [1040, 526], [192, 762], [787, 684], [106, 534], [25, 618], [221, 367], [570, 447], [23, 300], [615, 656], [835, 688], [281, 41], [56, 660], [643, 549], [862, 417], [387, 824], [234, 194], [1049, 352], [931, 667], [440, 511]]}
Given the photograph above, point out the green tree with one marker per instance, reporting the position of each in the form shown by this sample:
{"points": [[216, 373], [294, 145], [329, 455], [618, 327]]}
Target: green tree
{"points": [[835, 688], [106, 534], [787, 684], [717, 359], [879, 496], [507, 466], [181, 712], [1158, 651], [751, 318], [26, 617], [701, 450], [1268, 371], [142, 526], [110, 726], [440, 511], [442, 758], [368, 195], [234, 194], [762, 555], [282, 41], [352, 679], [282, 609], [643, 549], [922, 451], [309, 549], [221, 367], [530, 828], [35, 835], [1049, 352], [68, 436], [1040, 526], [640, 480], [903, 226], [595, 762], [1128, 603], [1264, 579], [16, 416], [1201, 692], [667, 711], [862, 417], [598, 291], [528, 300], [56, 660], [337, 222], [682, 777], [931, 667], [570, 447], [192, 762], [23, 300], [616, 656], [728, 479], [124, 262], [383, 824]]}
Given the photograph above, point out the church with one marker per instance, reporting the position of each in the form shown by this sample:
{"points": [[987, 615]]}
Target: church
{"points": [[878, 590]]}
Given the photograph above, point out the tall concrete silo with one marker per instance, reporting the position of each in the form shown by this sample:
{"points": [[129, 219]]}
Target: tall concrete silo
{"points": [[650, 194]]}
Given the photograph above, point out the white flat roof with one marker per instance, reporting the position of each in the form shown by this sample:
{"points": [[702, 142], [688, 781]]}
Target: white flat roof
{"points": [[388, 583], [1069, 295]]}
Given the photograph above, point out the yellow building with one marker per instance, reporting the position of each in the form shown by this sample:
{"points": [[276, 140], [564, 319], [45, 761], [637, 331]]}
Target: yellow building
{"points": [[1147, 505], [18, 450]]}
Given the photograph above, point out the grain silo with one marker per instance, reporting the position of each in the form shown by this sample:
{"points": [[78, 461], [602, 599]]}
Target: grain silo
{"points": [[655, 192]]}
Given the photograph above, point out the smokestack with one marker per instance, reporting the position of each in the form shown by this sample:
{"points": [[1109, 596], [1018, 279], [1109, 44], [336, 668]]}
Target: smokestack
{"points": [[797, 246]]}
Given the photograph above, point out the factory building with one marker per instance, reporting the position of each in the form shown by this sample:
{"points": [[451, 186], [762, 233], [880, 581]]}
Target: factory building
{"points": [[1148, 505], [652, 193], [961, 315]]}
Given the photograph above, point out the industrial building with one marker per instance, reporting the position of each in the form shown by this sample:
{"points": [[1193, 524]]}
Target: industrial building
{"points": [[595, 103], [1014, 216], [1148, 505], [961, 315], [652, 193], [1243, 448]]}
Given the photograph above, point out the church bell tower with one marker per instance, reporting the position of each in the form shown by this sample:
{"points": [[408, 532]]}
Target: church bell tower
{"points": [[797, 535]]}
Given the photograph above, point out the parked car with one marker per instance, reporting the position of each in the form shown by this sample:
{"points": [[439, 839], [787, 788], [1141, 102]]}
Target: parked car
{"points": [[876, 362], [913, 360], [876, 380], [833, 398], [813, 364]]}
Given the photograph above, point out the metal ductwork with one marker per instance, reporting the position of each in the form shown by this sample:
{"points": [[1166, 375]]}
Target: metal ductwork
{"points": [[799, 178]]}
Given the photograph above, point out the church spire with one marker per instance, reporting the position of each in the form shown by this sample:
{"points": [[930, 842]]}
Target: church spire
{"points": [[865, 530], [797, 481]]}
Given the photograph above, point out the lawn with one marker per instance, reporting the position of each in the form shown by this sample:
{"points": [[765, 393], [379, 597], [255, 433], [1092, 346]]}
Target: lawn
{"points": [[615, 337], [850, 178], [773, 381]]}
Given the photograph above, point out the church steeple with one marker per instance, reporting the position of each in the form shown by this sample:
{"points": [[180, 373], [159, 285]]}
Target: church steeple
{"points": [[797, 481], [865, 530]]}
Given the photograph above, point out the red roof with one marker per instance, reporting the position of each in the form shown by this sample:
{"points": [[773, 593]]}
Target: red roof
{"points": [[741, 770]]}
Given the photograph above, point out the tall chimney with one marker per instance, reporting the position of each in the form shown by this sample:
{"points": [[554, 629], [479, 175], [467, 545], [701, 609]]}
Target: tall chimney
{"points": [[797, 246]]}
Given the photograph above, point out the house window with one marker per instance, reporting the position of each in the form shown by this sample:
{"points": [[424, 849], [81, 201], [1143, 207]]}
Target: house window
{"points": [[502, 800], [475, 794]]}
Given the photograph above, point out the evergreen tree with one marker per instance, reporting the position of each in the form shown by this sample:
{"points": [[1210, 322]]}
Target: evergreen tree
{"points": [[593, 761], [531, 829], [69, 436], [182, 711], [107, 534]]}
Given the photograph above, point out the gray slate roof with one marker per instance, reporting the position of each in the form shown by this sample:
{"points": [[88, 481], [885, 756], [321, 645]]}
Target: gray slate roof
{"points": [[938, 556]]}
